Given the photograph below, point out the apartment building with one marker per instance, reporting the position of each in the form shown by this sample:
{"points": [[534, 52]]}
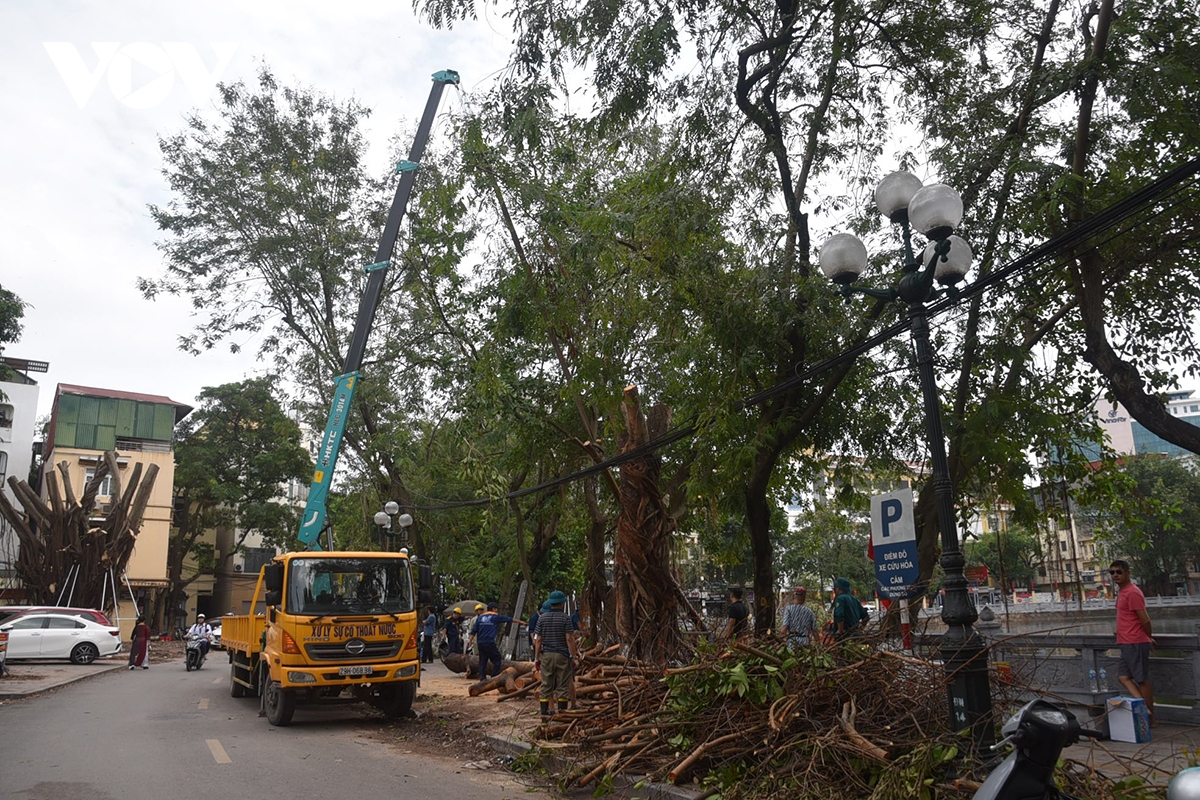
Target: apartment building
{"points": [[18, 423]]}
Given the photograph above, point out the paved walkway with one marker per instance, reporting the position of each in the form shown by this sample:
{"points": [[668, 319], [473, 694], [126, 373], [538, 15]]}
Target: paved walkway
{"points": [[1157, 760], [24, 678]]}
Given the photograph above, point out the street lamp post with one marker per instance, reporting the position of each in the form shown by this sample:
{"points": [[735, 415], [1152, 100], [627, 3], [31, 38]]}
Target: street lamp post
{"points": [[934, 211], [391, 525]]}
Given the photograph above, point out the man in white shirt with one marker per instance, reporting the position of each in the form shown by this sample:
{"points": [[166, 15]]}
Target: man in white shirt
{"points": [[204, 631], [799, 621]]}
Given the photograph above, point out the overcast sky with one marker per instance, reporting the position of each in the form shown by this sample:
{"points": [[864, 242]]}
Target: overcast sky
{"points": [[79, 160]]}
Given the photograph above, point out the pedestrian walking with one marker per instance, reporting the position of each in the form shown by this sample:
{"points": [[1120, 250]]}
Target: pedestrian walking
{"points": [[556, 649], [799, 621], [1135, 636], [738, 614], [848, 613], [139, 646], [430, 631], [487, 626]]}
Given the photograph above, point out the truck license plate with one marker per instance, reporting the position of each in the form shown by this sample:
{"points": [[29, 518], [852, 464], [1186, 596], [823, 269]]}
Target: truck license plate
{"points": [[365, 669]]}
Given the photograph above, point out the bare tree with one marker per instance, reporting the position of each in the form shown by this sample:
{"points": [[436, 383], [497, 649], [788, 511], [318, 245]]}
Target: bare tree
{"points": [[62, 546]]}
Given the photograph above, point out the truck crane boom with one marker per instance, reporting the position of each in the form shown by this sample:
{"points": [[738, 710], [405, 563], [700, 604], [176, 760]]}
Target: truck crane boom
{"points": [[313, 521]]}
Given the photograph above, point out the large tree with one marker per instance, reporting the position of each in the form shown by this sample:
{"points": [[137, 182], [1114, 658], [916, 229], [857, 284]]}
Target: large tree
{"points": [[272, 217], [233, 458], [1159, 533], [784, 96]]}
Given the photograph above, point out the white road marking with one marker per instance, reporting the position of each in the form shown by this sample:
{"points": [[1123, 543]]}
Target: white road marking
{"points": [[218, 680], [203, 703], [218, 752]]}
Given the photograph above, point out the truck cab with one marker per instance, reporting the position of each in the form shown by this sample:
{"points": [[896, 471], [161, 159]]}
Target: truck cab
{"points": [[337, 625]]}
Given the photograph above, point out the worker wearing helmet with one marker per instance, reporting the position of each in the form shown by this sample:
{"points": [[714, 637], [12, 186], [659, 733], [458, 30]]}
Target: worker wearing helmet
{"points": [[203, 631], [487, 629], [453, 628]]}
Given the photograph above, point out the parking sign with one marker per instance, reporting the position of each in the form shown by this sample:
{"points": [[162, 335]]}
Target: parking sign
{"points": [[894, 540]]}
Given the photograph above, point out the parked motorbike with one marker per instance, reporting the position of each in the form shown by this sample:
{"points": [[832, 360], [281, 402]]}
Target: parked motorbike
{"points": [[1038, 733], [194, 654]]}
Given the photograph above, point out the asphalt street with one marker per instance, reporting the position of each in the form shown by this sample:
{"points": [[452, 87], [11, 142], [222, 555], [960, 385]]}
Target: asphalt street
{"points": [[166, 732]]}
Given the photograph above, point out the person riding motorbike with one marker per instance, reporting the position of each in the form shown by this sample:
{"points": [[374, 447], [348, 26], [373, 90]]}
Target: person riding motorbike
{"points": [[203, 631]]}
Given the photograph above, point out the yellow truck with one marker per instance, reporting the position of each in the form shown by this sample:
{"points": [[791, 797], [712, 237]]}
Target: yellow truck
{"points": [[338, 626]]}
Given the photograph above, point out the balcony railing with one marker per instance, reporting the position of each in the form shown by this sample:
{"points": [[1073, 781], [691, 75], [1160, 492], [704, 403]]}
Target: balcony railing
{"points": [[143, 446]]}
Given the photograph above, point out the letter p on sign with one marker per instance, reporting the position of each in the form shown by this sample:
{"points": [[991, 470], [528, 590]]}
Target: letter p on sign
{"points": [[892, 519]]}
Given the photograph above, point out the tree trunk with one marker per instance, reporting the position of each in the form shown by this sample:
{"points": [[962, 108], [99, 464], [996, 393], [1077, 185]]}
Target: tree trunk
{"points": [[647, 595], [598, 614], [63, 551]]}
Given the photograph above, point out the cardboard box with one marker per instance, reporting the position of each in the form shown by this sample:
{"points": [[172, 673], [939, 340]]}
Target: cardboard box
{"points": [[1128, 720]]}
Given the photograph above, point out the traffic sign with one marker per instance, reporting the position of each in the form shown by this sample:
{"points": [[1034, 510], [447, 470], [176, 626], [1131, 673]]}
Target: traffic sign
{"points": [[894, 540]]}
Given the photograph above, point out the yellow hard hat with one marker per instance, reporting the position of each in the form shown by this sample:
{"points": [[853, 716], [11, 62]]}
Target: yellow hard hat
{"points": [[458, 611], [480, 607]]}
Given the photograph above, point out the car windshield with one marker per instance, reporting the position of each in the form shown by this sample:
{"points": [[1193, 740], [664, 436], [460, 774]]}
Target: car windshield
{"points": [[321, 586]]}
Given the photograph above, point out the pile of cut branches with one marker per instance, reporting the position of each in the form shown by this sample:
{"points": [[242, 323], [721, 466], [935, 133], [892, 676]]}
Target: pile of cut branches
{"points": [[759, 720]]}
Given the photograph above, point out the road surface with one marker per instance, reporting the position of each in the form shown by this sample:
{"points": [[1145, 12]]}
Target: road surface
{"points": [[168, 733]]}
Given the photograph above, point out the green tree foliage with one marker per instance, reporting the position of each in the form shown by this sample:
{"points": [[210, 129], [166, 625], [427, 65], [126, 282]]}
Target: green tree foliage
{"points": [[273, 215], [1011, 556], [829, 541], [234, 456], [12, 310], [1159, 535], [679, 255]]}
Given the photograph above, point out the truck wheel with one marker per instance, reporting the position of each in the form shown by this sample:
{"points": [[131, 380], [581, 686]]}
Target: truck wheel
{"points": [[280, 703], [396, 699], [235, 689]]}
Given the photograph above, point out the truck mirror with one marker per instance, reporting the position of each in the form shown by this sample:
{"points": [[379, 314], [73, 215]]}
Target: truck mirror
{"points": [[273, 578], [274, 598], [424, 578], [425, 597]]}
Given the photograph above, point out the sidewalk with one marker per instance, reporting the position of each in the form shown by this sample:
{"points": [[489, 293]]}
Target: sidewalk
{"points": [[1157, 760], [25, 678]]}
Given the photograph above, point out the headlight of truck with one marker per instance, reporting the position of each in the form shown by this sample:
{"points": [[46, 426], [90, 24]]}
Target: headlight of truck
{"points": [[301, 677], [404, 672]]}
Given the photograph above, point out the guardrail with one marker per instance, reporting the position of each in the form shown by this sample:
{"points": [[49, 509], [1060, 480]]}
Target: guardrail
{"points": [[1068, 606], [1082, 668]]}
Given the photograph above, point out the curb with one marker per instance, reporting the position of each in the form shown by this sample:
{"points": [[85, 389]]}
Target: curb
{"points": [[507, 745], [37, 687]]}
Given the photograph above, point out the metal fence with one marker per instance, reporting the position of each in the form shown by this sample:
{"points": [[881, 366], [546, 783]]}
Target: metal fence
{"points": [[1082, 668]]}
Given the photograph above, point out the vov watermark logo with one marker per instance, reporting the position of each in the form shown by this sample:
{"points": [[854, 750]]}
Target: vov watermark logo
{"points": [[157, 65]]}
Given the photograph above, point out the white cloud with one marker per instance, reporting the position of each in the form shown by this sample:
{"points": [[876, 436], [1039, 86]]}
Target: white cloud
{"points": [[79, 165]]}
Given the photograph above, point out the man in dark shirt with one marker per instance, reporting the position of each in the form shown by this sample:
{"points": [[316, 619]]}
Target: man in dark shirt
{"points": [[737, 615], [555, 650], [848, 613], [453, 629], [487, 626]]}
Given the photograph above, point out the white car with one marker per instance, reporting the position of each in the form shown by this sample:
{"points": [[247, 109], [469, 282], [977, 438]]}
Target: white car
{"points": [[215, 639], [60, 636]]}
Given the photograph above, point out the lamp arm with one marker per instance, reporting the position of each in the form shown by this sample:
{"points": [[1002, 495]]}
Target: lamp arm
{"points": [[917, 285], [879, 294]]}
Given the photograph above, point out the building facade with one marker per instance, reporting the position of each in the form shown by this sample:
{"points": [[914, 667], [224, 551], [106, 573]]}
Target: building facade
{"points": [[87, 421], [18, 431]]}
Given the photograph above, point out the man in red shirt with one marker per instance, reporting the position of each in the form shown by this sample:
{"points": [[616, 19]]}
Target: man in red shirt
{"points": [[1133, 636]]}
